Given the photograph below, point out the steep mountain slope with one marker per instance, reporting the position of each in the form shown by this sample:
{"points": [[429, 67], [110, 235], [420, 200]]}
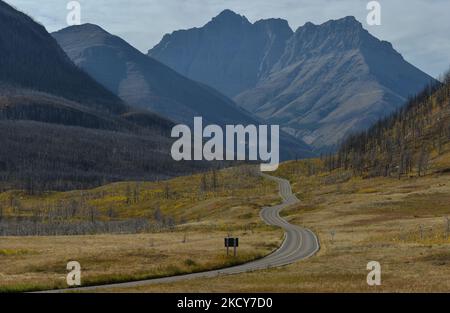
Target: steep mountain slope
{"points": [[26, 45], [143, 81], [60, 128], [331, 80], [33, 65], [147, 83], [324, 81]]}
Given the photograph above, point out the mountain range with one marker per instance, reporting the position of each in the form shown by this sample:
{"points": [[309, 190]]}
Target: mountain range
{"points": [[320, 83], [62, 128], [83, 107], [146, 83]]}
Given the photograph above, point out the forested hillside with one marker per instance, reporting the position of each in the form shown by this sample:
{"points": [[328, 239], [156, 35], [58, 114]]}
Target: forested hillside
{"points": [[403, 143]]}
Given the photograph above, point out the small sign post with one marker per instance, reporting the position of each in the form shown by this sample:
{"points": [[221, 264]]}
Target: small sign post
{"points": [[332, 233], [232, 242], [448, 226]]}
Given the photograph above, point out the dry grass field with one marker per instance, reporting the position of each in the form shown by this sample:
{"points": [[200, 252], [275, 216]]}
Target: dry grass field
{"points": [[203, 219], [399, 223], [40, 262]]}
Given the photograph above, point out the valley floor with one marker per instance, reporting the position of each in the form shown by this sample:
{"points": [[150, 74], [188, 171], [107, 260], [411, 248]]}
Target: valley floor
{"points": [[202, 215], [399, 223]]}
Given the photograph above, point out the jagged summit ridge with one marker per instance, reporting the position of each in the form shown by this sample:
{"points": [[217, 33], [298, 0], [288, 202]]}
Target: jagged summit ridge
{"points": [[319, 83]]}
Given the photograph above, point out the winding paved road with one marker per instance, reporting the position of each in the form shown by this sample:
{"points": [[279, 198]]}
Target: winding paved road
{"points": [[299, 243]]}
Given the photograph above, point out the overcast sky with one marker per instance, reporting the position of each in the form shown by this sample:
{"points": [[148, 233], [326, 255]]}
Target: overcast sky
{"points": [[418, 29]]}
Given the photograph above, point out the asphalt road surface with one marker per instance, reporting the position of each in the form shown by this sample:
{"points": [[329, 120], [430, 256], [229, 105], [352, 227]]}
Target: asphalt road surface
{"points": [[299, 243]]}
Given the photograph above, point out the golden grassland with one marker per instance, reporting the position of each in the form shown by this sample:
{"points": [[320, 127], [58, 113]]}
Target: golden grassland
{"points": [[183, 198], [40, 262], [31, 263], [399, 223]]}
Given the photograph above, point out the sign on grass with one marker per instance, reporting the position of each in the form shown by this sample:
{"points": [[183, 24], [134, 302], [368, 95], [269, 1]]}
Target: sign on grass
{"points": [[231, 242]]}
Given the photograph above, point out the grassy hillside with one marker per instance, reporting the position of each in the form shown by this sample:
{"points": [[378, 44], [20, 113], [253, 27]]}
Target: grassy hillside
{"points": [[403, 143]]}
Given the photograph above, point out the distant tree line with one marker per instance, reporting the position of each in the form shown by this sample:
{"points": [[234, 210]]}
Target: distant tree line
{"points": [[32, 227], [75, 217]]}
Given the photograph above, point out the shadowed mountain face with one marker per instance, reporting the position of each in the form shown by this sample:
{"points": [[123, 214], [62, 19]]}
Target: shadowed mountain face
{"points": [[39, 82], [30, 58], [142, 81], [60, 129], [320, 83]]}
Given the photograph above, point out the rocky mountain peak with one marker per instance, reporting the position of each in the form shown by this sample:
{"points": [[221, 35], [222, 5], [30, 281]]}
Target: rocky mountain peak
{"points": [[341, 27], [228, 17], [342, 34], [321, 82]]}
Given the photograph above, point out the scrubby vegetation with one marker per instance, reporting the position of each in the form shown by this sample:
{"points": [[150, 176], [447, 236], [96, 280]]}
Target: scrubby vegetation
{"points": [[128, 207]]}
